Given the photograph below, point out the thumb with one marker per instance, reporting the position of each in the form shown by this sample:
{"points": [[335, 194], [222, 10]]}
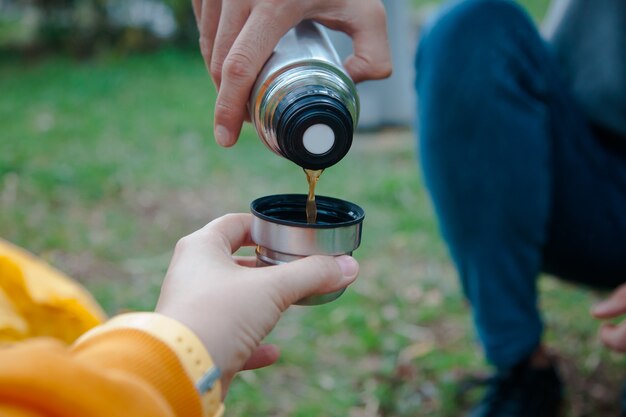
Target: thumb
{"points": [[371, 59], [313, 275]]}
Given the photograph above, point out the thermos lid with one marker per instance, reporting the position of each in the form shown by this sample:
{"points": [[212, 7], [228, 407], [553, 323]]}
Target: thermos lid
{"points": [[279, 224], [315, 131], [290, 210]]}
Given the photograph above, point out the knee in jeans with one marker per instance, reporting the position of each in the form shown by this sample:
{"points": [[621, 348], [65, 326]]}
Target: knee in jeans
{"points": [[468, 31]]}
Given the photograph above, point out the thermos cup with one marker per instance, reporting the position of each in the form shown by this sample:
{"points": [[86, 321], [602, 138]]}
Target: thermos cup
{"points": [[304, 105], [282, 234]]}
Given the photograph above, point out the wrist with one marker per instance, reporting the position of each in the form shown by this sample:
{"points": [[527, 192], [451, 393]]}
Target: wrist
{"points": [[195, 359], [214, 335]]}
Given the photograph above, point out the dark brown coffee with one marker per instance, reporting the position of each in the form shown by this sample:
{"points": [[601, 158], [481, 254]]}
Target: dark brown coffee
{"points": [[312, 177]]}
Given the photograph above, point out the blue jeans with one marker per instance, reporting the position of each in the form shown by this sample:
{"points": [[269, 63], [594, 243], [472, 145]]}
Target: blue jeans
{"points": [[521, 181]]}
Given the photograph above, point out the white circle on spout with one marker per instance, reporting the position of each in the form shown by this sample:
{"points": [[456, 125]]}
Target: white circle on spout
{"points": [[318, 139]]}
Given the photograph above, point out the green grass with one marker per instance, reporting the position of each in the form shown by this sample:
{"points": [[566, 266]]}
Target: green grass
{"points": [[105, 164]]}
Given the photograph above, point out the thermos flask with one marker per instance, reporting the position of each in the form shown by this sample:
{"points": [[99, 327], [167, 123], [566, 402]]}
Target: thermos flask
{"points": [[304, 105]]}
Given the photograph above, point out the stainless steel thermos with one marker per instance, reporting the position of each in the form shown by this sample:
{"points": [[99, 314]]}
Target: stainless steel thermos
{"points": [[304, 105], [305, 108]]}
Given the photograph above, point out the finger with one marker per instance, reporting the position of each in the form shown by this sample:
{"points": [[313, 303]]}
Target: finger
{"points": [[209, 18], [246, 261], [614, 337], [231, 22], [227, 233], [245, 59], [312, 275], [231, 230], [613, 306], [264, 355]]}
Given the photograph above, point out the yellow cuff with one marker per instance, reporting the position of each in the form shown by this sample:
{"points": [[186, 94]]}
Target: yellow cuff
{"points": [[184, 343]]}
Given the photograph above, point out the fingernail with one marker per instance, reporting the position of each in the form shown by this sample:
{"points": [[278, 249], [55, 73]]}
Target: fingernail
{"points": [[349, 266], [222, 136]]}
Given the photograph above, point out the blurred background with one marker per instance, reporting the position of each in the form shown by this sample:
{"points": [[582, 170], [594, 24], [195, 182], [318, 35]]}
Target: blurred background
{"points": [[107, 159]]}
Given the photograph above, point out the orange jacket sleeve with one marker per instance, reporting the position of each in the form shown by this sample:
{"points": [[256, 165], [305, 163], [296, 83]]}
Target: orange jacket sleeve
{"points": [[118, 369]]}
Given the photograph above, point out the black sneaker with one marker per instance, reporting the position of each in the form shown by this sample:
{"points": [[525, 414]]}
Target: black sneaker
{"points": [[522, 391]]}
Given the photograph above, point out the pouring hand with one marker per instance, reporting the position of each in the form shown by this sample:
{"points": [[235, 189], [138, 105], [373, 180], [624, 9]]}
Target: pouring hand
{"points": [[237, 37], [232, 306], [613, 336]]}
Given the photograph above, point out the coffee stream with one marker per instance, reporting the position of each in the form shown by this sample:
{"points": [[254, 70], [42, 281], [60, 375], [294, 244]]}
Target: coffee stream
{"points": [[312, 177]]}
